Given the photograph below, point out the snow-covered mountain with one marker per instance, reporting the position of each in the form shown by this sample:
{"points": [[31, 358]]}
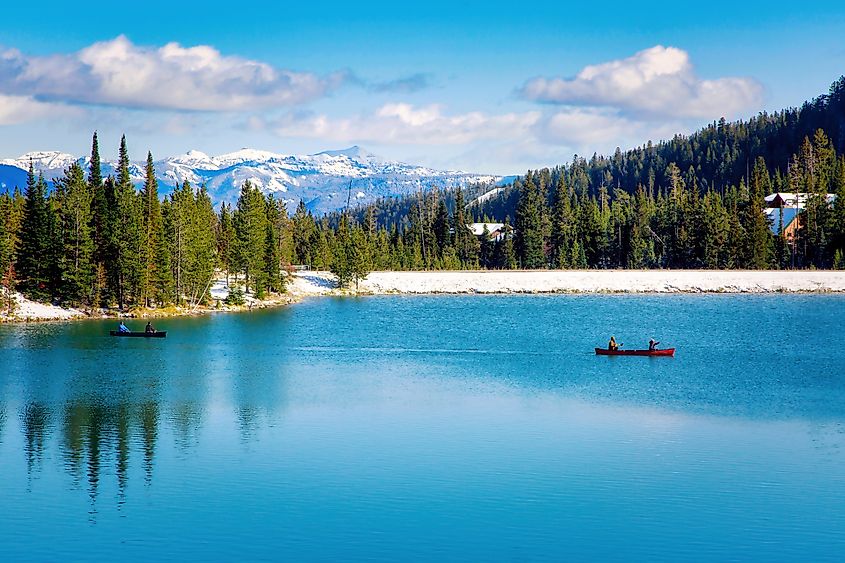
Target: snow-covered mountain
{"points": [[322, 180]]}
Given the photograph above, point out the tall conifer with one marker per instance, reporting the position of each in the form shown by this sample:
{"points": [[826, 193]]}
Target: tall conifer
{"points": [[76, 259], [250, 222], [32, 265], [529, 233]]}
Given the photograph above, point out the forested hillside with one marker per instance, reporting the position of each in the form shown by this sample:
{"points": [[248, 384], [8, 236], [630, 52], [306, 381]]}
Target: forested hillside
{"points": [[693, 201], [712, 159]]}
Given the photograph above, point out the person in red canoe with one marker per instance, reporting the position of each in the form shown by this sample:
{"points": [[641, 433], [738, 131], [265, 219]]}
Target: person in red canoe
{"points": [[652, 345], [612, 345]]}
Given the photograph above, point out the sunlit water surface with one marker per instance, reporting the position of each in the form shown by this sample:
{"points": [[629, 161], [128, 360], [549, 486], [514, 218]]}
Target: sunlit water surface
{"points": [[455, 428]]}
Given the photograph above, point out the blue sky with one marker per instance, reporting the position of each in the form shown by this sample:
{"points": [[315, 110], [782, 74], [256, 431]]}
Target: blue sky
{"points": [[479, 86]]}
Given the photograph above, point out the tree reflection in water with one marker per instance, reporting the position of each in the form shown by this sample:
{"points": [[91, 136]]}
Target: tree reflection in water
{"points": [[94, 435]]}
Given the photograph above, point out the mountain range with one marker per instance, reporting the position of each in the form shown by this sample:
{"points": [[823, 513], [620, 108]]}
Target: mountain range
{"points": [[321, 180]]}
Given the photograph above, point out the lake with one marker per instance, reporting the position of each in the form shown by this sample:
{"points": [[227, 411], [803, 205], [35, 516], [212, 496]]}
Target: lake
{"points": [[439, 427]]}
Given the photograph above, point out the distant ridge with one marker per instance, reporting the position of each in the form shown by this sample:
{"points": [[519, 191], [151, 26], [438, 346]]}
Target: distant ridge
{"points": [[320, 180]]}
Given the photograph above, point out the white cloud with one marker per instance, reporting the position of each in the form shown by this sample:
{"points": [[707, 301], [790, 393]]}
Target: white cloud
{"points": [[120, 73], [407, 124], [20, 109], [584, 126], [402, 123], [498, 143], [657, 82]]}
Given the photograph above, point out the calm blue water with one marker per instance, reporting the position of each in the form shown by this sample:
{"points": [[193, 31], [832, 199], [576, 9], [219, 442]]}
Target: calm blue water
{"points": [[450, 428]]}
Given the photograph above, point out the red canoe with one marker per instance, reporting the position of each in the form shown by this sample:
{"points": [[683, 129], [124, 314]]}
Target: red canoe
{"points": [[606, 352]]}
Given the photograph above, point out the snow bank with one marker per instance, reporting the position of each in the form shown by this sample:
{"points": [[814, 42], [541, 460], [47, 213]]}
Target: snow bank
{"points": [[26, 310], [311, 283], [219, 289], [582, 281]]}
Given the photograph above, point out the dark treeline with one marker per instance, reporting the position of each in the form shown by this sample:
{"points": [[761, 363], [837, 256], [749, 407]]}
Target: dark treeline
{"points": [[98, 242], [717, 156]]}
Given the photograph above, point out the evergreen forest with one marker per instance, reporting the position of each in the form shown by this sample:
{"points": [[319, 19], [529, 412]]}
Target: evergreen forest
{"points": [[693, 201]]}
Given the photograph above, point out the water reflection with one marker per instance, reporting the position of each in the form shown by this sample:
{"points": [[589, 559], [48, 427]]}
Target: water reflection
{"points": [[93, 434], [35, 419], [83, 400], [100, 407], [256, 373]]}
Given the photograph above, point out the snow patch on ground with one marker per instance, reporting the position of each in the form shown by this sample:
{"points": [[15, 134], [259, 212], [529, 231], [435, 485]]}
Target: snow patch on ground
{"points": [[486, 196], [27, 310], [580, 281], [311, 283], [219, 289]]}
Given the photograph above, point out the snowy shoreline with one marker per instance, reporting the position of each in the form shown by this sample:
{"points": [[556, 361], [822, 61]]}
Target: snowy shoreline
{"points": [[579, 281], [28, 311], [310, 284]]}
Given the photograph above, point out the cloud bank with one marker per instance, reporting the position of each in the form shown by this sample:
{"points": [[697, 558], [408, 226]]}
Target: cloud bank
{"points": [[172, 77], [656, 82], [21, 109], [402, 123]]}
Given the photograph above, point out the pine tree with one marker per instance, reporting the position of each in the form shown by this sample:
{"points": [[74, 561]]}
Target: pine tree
{"points": [[603, 230], [179, 217], [55, 240], [250, 220], [7, 245], [203, 245], [563, 225], [324, 254], [303, 231], [485, 254], [155, 280], [191, 227], [226, 240], [77, 249], [442, 227], [466, 244], [371, 225], [342, 266], [505, 255], [110, 251], [99, 218], [759, 245], [126, 234], [814, 218], [578, 257], [838, 212], [359, 256], [32, 266], [642, 252], [529, 233], [272, 253], [716, 227]]}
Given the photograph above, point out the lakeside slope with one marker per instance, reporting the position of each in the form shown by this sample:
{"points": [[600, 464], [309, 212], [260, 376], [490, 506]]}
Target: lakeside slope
{"points": [[581, 281]]}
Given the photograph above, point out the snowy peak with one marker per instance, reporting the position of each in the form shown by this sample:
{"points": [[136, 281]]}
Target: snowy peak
{"points": [[246, 155], [354, 153], [194, 159], [42, 160], [321, 180]]}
